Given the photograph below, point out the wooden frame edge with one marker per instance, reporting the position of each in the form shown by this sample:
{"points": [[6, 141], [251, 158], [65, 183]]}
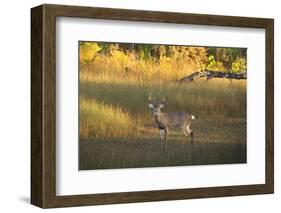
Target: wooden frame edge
{"points": [[269, 117], [36, 106], [43, 180]]}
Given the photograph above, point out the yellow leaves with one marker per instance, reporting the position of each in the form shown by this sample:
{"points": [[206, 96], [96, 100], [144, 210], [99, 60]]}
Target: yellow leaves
{"points": [[88, 51], [211, 58], [239, 65], [214, 65], [120, 57]]}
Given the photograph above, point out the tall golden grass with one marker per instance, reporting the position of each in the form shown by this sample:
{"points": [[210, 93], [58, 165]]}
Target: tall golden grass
{"points": [[114, 92], [130, 66], [102, 120]]}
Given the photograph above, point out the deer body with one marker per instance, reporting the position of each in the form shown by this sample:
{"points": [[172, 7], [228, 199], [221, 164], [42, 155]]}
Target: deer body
{"points": [[171, 120], [164, 121]]}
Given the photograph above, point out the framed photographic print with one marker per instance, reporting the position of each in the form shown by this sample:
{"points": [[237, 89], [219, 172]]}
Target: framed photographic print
{"points": [[135, 106]]}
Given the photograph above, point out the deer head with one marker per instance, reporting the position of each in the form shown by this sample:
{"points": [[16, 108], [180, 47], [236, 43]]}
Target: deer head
{"points": [[155, 107]]}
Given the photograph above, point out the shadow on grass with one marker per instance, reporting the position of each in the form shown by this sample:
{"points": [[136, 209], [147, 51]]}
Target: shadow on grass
{"points": [[137, 153]]}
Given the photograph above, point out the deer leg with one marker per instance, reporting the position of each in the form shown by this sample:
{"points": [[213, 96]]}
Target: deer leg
{"points": [[162, 136], [191, 137], [188, 131], [166, 144], [184, 131], [192, 148]]}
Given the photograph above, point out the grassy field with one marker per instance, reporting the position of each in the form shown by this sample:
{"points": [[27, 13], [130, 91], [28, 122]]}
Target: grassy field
{"points": [[116, 128], [215, 142]]}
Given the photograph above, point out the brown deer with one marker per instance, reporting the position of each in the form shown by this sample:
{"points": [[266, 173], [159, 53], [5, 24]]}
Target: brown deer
{"points": [[164, 121]]}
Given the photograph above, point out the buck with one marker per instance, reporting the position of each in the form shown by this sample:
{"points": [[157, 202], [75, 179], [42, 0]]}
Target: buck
{"points": [[164, 121]]}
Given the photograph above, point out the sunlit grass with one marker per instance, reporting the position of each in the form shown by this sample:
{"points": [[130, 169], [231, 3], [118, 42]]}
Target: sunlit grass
{"points": [[212, 99], [114, 98], [129, 67], [102, 120], [121, 107]]}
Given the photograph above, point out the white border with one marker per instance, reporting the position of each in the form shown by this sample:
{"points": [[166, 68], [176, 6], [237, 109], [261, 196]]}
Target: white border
{"points": [[70, 181]]}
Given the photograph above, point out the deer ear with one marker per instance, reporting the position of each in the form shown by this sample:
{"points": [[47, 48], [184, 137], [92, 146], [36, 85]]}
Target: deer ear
{"points": [[161, 106], [150, 105]]}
